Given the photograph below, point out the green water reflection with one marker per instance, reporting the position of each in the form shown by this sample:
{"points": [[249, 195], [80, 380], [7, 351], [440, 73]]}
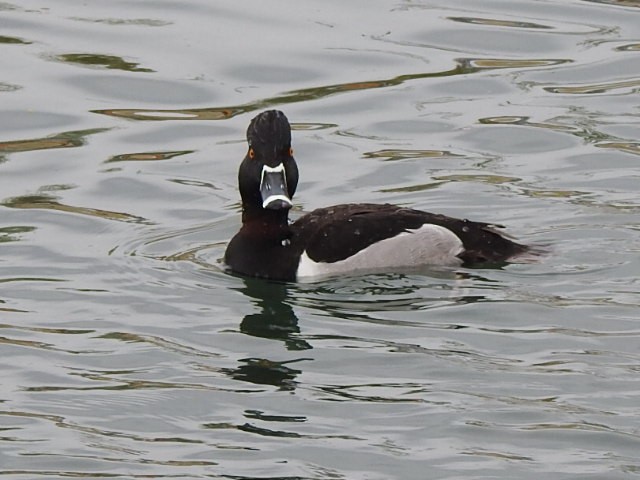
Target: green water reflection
{"points": [[464, 66]]}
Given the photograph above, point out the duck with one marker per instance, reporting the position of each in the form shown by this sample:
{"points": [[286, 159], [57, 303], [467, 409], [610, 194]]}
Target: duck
{"points": [[346, 239]]}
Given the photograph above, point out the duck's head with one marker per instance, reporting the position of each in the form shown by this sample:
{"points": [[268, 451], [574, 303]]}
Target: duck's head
{"points": [[268, 175]]}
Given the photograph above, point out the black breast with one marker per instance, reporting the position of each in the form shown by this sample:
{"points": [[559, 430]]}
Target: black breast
{"points": [[264, 250]]}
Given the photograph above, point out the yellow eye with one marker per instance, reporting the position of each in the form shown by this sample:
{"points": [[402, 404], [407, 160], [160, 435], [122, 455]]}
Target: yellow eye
{"points": [[252, 154], [290, 152]]}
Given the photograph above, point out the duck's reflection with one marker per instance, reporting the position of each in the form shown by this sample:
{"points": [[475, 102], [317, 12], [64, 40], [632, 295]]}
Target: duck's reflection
{"points": [[276, 319], [261, 371], [357, 299]]}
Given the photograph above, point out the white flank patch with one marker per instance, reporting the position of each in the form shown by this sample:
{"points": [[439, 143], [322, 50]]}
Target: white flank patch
{"points": [[428, 245]]}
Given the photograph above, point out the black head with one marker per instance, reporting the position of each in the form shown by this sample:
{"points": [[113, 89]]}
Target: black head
{"points": [[268, 175], [269, 134]]}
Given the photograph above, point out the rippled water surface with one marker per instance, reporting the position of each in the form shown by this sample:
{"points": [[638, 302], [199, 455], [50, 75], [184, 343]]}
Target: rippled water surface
{"points": [[128, 352]]}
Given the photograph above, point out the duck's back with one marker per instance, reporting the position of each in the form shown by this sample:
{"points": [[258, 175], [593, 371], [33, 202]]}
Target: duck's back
{"points": [[334, 234]]}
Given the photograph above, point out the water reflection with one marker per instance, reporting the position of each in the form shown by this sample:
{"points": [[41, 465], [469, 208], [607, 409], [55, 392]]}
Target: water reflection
{"points": [[628, 147], [632, 47], [499, 23], [13, 40], [412, 188], [50, 202], [260, 371], [110, 62], [526, 121], [362, 298], [368, 299], [395, 154], [619, 3], [145, 22], [147, 156], [8, 87], [60, 140], [12, 233], [276, 318], [586, 131], [8, 309], [598, 88], [464, 66]]}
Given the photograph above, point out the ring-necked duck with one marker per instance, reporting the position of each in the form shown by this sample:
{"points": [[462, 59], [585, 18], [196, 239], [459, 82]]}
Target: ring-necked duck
{"points": [[343, 238]]}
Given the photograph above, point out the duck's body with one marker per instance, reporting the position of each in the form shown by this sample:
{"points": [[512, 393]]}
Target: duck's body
{"points": [[341, 239]]}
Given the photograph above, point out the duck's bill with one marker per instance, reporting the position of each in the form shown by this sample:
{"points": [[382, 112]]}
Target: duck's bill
{"points": [[273, 188]]}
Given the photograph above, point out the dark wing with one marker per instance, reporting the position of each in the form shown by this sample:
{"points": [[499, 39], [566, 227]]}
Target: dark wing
{"points": [[483, 242], [334, 233]]}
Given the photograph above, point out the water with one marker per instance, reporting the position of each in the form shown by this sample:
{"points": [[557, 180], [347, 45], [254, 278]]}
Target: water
{"points": [[128, 352]]}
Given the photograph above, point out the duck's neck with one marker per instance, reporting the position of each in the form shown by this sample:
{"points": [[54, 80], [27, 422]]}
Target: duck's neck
{"points": [[274, 218]]}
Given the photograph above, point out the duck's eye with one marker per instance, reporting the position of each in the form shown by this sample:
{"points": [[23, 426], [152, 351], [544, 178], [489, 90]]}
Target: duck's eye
{"points": [[252, 154], [290, 152]]}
